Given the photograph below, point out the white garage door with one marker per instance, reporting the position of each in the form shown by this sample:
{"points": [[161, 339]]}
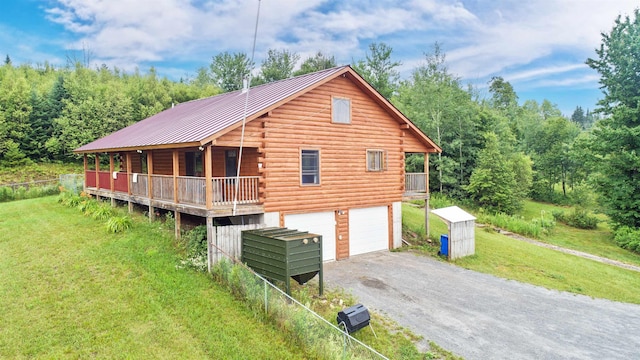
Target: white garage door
{"points": [[368, 230], [321, 223]]}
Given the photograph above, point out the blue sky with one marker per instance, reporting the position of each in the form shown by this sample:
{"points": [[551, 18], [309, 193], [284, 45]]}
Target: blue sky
{"points": [[539, 46]]}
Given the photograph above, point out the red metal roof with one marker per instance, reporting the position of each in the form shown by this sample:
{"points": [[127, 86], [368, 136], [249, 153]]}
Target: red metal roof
{"points": [[197, 120]]}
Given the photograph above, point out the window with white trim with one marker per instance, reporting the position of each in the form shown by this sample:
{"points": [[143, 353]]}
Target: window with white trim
{"points": [[310, 167], [341, 110], [376, 160]]}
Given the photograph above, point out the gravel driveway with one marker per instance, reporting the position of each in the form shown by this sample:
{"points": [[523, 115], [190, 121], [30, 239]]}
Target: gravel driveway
{"points": [[480, 316]]}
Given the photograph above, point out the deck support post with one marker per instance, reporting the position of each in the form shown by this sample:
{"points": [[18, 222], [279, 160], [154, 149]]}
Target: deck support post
{"points": [[209, 242], [426, 216], [178, 223]]}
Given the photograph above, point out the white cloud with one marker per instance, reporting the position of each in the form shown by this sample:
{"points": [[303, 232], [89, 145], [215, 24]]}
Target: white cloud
{"points": [[528, 31], [544, 71], [538, 43]]}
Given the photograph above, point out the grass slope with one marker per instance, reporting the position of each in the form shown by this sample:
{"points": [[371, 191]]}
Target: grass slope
{"points": [[597, 242], [512, 259], [68, 289], [42, 171]]}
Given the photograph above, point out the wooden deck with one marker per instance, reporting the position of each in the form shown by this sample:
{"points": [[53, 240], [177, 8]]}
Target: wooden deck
{"points": [[415, 186], [184, 194]]}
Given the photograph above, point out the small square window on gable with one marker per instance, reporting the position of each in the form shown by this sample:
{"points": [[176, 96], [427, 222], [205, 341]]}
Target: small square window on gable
{"points": [[376, 160], [340, 110]]}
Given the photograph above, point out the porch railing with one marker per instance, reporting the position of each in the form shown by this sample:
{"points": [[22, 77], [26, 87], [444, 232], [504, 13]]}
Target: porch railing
{"points": [[224, 189], [139, 185], [415, 183], [162, 186], [192, 190], [105, 180], [90, 178], [120, 182]]}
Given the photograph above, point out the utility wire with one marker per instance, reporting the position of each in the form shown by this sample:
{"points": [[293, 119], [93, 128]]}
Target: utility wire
{"points": [[244, 117]]}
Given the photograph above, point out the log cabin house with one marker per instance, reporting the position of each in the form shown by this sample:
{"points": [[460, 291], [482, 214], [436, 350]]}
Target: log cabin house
{"points": [[322, 152]]}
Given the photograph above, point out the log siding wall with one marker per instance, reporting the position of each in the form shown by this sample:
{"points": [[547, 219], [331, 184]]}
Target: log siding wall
{"points": [[305, 123]]}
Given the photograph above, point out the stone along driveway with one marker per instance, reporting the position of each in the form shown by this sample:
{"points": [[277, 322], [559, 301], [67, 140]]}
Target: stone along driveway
{"points": [[480, 316]]}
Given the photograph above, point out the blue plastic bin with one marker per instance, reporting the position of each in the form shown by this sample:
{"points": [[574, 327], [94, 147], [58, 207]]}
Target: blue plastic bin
{"points": [[444, 245]]}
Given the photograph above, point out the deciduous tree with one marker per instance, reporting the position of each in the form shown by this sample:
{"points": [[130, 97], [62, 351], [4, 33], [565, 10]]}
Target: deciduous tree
{"points": [[379, 70], [315, 63], [278, 65], [229, 70]]}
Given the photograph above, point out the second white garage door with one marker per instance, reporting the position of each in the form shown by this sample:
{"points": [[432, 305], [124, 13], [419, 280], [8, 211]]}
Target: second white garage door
{"points": [[321, 223], [368, 230]]}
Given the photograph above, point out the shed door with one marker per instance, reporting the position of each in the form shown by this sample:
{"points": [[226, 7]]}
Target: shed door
{"points": [[368, 230], [321, 223]]}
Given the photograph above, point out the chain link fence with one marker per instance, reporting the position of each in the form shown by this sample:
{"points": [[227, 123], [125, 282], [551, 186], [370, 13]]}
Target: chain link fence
{"points": [[321, 338], [72, 182]]}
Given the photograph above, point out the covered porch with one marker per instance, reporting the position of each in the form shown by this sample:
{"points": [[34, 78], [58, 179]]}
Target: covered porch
{"points": [[201, 181], [416, 182]]}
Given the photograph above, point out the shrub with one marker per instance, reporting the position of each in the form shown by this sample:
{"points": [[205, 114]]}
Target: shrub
{"points": [[439, 200], [102, 212], [69, 199], [577, 218], [87, 206], [628, 238], [6, 194], [517, 224], [118, 224], [195, 243]]}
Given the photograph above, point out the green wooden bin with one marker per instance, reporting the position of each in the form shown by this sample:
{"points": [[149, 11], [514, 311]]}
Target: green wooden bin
{"points": [[281, 254]]}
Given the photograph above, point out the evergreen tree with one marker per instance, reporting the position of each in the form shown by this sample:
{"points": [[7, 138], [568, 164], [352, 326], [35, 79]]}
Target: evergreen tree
{"points": [[616, 139], [13, 155], [493, 182], [579, 117]]}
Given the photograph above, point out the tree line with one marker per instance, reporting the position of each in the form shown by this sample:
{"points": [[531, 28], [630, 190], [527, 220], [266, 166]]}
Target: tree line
{"points": [[497, 150]]}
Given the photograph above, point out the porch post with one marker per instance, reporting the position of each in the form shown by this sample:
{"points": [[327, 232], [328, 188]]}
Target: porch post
{"points": [[176, 172], [85, 163], [426, 200], [111, 179], [208, 174], [97, 162], [426, 170], [152, 210], [129, 167]]}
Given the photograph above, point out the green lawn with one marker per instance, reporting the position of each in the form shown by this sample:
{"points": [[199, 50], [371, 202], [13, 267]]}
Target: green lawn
{"points": [[512, 259], [68, 289], [598, 242]]}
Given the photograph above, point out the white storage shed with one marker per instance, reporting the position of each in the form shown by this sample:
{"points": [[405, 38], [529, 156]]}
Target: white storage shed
{"points": [[461, 225]]}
